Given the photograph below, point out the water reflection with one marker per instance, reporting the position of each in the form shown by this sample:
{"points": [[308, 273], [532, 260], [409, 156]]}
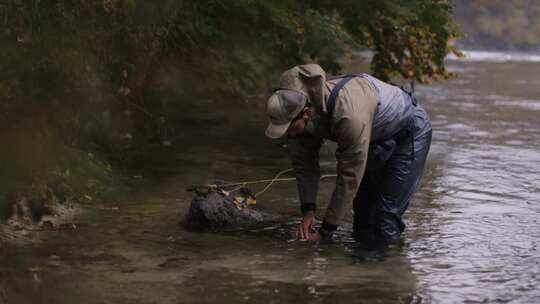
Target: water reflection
{"points": [[479, 242], [289, 270]]}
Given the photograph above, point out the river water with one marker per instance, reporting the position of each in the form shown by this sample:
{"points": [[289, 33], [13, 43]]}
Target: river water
{"points": [[473, 231]]}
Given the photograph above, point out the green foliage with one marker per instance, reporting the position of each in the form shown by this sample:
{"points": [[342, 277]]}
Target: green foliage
{"points": [[113, 74], [81, 177], [410, 38], [36, 158]]}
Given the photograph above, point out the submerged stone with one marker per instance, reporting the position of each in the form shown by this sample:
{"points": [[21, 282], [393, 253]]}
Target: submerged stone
{"points": [[228, 209]]}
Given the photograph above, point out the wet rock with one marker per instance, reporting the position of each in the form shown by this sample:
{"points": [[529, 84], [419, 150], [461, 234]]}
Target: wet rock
{"points": [[224, 209]]}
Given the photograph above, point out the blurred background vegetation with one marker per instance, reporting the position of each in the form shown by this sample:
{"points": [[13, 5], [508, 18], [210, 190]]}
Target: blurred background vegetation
{"points": [[87, 84], [499, 24]]}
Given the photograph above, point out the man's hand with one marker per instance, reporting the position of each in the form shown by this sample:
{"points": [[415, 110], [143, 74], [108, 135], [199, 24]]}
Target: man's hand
{"points": [[306, 229], [314, 237]]}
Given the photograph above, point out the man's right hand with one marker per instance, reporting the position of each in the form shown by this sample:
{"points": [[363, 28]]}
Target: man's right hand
{"points": [[306, 228]]}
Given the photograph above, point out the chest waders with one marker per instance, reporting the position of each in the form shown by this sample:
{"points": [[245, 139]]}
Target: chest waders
{"points": [[381, 149], [385, 192]]}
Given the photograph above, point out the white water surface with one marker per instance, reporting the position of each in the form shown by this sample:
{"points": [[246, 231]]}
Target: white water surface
{"points": [[497, 56]]}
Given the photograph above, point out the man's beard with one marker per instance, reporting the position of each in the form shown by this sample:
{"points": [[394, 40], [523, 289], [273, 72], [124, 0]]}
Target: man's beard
{"points": [[313, 124]]}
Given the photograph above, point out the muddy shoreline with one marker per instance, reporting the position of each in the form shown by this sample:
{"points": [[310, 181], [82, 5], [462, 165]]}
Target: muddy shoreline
{"points": [[29, 212]]}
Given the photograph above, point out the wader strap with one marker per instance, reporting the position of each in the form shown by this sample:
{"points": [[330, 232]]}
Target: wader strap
{"points": [[331, 102], [411, 93]]}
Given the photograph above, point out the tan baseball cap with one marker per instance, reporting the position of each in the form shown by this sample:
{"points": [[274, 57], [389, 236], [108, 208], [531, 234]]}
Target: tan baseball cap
{"points": [[282, 107]]}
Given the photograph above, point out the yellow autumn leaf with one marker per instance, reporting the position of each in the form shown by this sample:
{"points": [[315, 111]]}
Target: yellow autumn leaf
{"points": [[251, 201], [239, 199]]}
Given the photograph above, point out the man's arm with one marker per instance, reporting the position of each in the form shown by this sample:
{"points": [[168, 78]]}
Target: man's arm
{"points": [[353, 134], [304, 152]]}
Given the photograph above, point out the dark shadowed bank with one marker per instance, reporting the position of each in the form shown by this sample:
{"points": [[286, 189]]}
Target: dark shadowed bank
{"points": [[89, 86]]}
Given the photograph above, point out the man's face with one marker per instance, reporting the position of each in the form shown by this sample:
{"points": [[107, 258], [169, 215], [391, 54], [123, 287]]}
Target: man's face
{"points": [[298, 125]]}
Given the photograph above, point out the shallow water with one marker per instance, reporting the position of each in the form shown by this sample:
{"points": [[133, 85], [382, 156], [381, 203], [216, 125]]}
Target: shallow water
{"points": [[472, 233]]}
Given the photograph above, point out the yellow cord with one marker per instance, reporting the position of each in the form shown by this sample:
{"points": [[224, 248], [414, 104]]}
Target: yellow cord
{"points": [[275, 179], [272, 181], [269, 181]]}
